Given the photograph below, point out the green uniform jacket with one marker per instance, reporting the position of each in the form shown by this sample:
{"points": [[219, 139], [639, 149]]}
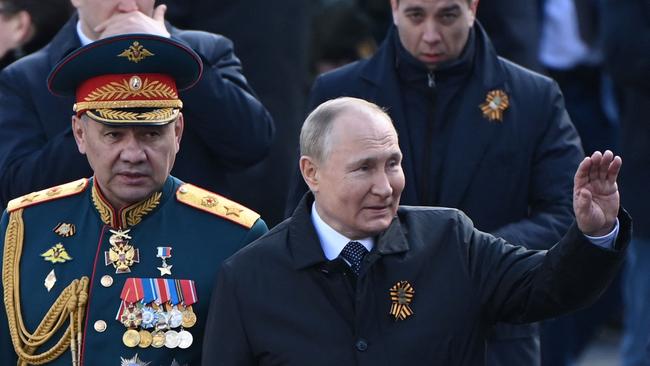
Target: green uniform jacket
{"points": [[202, 229]]}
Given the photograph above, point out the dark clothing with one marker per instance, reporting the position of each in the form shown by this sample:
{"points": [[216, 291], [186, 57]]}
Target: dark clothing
{"points": [[626, 31], [280, 301], [200, 239], [515, 29], [274, 54], [226, 127], [627, 49], [512, 177]]}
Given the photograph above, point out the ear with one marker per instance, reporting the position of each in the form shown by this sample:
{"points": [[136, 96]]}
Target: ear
{"points": [[79, 133], [179, 126], [473, 6], [394, 6], [309, 171]]}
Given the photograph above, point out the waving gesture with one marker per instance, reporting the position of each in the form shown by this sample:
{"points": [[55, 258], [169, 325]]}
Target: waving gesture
{"points": [[595, 193]]}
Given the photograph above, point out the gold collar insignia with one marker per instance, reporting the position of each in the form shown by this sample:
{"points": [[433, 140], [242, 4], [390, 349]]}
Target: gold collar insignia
{"points": [[128, 216], [401, 294], [495, 103]]}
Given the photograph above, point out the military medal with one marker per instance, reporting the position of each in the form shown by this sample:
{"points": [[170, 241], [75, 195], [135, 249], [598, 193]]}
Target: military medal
{"points": [[495, 103], [56, 254], [189, 318], [50, 280], [164, 253], [145, 339], [133, 361], [122, 255], [162, 305], [131, 338], [171, 339], [158, 339], [186, 339], [64, 229], [401, 294]]}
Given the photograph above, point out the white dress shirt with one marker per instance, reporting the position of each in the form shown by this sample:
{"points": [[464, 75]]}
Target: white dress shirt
{"points": [[331, 240]]}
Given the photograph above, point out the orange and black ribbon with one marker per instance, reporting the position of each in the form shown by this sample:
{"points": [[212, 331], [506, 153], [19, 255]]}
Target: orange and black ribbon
{"points": [[401, 294]]}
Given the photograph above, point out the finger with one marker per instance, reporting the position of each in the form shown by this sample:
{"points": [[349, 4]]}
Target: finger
{"points": [[582, 204], [608, 156], [614, 169], [582, 173], [159, 13], [594, 170]]}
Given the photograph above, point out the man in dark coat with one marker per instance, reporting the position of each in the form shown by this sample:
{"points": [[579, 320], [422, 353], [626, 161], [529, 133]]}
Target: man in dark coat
{"points": [[478, 133], [231, 129], [626, 30], [351, 279]]}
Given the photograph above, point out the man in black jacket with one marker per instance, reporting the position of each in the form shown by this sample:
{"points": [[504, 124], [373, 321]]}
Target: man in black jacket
{"points": [[353, 279], [230, 128], [478, 133]]}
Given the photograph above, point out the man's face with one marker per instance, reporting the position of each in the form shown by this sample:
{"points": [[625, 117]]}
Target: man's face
{"points": [[129, 163], [94, 12], [434, 31], [358, 185]]}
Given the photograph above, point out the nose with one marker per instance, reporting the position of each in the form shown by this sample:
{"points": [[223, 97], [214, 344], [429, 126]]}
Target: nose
{"points": [[126, 6], [430, 34], [382, 185], [132, 151]]}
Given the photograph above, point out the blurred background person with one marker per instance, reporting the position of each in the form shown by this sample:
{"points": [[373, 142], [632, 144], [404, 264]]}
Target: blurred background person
{"points": [[272, 40], [27, 25], [626, 34]]}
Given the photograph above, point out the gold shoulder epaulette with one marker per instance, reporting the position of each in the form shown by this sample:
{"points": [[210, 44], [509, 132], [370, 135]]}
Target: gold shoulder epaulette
{"points": [[217, 205], [64, 190]]}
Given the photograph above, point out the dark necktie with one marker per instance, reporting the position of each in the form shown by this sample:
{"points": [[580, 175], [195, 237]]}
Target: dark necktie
{"points": [[353, 252]]}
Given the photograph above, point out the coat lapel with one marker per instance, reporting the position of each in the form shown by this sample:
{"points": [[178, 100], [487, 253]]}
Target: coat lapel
{"points": [[472, 133]]}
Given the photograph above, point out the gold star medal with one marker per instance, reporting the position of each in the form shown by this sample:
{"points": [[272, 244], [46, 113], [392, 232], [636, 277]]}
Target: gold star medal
{"points": [[401, 294], [56, 254], [164, 253], [495, 103]]}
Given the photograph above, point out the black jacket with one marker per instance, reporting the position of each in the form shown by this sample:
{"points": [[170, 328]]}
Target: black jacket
{"points": [[279, 301]]}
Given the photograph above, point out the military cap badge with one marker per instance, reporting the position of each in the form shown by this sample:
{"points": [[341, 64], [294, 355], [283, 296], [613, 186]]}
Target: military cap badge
{"points": [[130, 79]]}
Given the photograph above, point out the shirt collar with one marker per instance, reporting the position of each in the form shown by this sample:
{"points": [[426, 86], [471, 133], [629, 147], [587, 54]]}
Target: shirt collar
{"points": [[82, 37], [331, 240]]}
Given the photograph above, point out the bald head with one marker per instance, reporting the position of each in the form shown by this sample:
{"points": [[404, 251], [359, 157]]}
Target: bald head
{"points": [[316, 133]]}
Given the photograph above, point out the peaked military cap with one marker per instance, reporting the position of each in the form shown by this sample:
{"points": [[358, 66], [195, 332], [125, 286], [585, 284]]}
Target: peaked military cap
{"points": [[129, 79]]}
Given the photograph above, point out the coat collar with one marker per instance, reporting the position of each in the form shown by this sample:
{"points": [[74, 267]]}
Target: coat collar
{"points": [[305, 247], [65, 41], [461, 159]]}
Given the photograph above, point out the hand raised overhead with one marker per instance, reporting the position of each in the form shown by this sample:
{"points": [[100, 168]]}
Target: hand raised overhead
{"points": [[595, 193]]}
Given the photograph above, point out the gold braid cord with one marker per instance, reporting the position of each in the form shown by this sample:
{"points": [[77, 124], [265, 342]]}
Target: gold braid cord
{"points": [[71, 304]]}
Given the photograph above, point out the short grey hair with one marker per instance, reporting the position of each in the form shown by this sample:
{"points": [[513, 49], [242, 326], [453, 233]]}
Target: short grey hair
{"points": [[316, 131]]}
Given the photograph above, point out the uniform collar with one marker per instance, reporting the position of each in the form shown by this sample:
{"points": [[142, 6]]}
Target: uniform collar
{"points": [[130, 215]]}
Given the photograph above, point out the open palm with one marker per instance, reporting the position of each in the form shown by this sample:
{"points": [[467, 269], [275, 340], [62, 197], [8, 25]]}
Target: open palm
{"points": [[595, 193]]}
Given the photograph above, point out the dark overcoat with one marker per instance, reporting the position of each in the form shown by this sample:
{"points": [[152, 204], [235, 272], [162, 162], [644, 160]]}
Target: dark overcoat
{"points": [[279, 301]]}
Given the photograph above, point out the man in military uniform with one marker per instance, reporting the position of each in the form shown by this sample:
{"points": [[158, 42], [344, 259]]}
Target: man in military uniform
{"points": [[118, 268]]}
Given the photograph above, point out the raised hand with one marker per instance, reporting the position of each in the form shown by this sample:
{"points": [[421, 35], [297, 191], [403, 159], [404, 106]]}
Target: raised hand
{"points": [[595, 193]]}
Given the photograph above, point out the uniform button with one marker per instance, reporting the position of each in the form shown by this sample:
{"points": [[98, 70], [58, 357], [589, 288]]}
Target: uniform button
{"points": [[362, 345], [106, 281], [100, 326], [183, 189]]}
